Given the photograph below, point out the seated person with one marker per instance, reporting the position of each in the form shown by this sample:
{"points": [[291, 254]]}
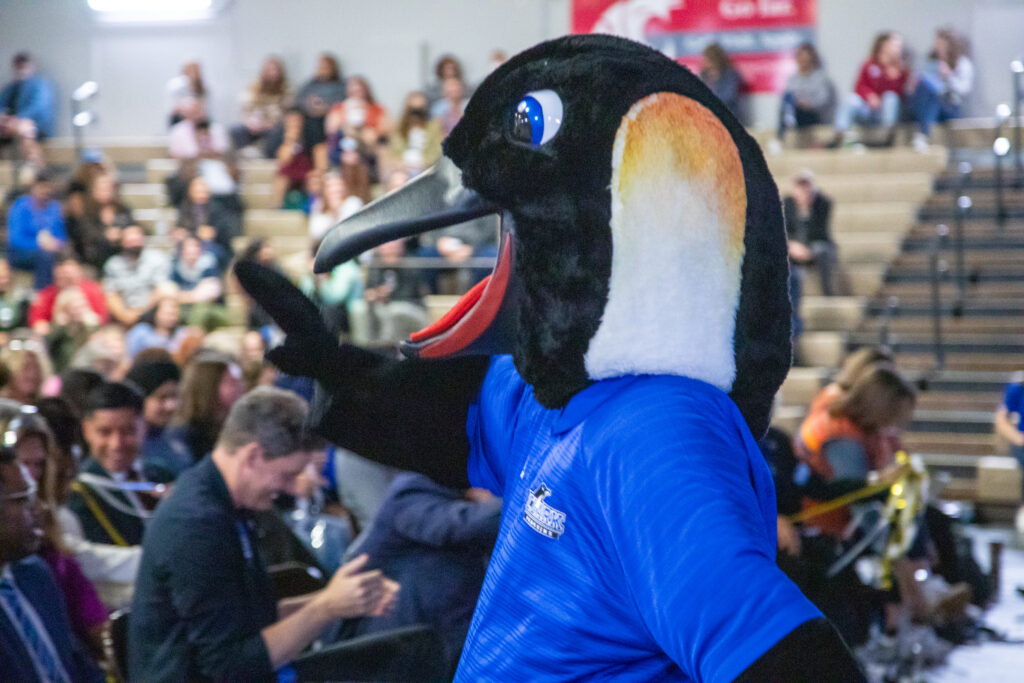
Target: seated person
{"points": [[394, 296], [204, 606], [157, 381], [809, 96], [27, 110], [316, 97], [95, 235], [36, 637], [68, 274], [72, 324], [263, 104], [878, 93], [184, 90], [448, 110], [435, 542], [167, 331], [294, 159], [415, 143], [35, 231], [195, 137], [110, 508], [53, 471], [724, 79], [358, 116], [943, 86], [197, 275], [132, 277], [337, 204], [808, 215], [14, 302], [221, 216]]}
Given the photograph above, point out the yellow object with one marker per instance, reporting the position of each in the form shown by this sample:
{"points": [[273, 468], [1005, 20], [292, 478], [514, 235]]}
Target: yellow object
{"points": [[98, 513]]}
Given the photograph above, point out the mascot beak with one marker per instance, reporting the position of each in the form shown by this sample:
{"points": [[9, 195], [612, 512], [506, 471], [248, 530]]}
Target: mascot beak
{"points": [[479, 322], [434, 199]]}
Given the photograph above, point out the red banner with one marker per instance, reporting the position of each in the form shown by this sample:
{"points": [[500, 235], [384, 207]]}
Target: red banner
{"points": [[759, 35]]}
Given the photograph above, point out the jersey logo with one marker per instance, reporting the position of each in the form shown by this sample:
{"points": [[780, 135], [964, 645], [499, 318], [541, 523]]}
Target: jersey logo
{"points": [[541, 517]]}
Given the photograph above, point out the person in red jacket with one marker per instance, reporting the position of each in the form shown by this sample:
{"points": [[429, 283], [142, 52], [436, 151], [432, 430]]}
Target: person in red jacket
{"points": [[878, 93], [67, 272]]}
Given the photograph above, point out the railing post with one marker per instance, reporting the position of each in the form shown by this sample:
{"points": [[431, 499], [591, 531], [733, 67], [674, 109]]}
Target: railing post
{"points": [[1017, 69], [936, 268]]}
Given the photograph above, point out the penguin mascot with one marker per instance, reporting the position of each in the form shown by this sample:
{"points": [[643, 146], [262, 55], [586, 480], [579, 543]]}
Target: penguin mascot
{"points": [[608, 379]]}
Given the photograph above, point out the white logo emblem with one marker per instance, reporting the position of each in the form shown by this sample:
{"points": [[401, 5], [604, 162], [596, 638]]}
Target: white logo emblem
{"points": [[541, 517]]}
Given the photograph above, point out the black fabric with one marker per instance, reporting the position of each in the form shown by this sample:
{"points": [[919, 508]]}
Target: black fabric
{"points": [[410, 654], [408, 414], [559, 197], [813, 228], [128, 526], [203, 593], [812, 652], [777, 448]]}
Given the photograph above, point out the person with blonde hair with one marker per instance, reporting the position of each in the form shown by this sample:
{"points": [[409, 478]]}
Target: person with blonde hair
{"points": [[28, 367]]}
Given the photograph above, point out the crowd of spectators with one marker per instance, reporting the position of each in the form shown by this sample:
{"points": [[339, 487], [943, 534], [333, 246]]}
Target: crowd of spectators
{"points": [[129, 419]]}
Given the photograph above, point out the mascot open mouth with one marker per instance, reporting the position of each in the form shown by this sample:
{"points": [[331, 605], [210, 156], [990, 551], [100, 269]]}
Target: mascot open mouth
{"points": [[435, 199]]}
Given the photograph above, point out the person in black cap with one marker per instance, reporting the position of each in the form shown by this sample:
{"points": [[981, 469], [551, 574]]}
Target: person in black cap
{"points": [[158, 382]]}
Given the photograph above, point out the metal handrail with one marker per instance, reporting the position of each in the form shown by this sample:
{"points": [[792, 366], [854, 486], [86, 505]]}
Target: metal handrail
{"points": [[937, 267]]}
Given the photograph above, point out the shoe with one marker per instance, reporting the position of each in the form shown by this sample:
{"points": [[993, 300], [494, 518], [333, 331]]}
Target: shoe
{"points": [[920, 143]]}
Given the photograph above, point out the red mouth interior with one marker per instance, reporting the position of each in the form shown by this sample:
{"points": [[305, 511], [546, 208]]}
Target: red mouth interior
{"points": [[470, 316]]}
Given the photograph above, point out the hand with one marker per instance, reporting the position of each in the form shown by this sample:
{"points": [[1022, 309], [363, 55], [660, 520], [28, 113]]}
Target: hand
{"points": [[47, 242], [206, 233], [874, 101], [798, 251], [789, 537], [476, 495], [354, 593], [112, 234]]}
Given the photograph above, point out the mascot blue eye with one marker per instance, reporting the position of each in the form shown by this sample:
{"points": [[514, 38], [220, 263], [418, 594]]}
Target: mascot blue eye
{"points": [[537, 117]]}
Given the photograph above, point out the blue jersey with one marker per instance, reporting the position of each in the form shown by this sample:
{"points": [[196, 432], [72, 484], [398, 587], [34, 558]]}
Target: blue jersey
{"points": [[638, 536]]}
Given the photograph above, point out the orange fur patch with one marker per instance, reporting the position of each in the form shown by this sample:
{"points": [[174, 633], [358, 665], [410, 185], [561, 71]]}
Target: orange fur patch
{"points": [[667, 133]]}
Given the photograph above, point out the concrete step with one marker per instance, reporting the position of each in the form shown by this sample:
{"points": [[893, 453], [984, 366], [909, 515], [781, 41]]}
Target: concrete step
{"points": [[801, 385], [276, 223], [821, 313], [892, 217], [833, 162], [816, 349], [854, 279], [1001, 325], [959, 400], [118, 150], [877, 187], [154, 195], [1006, 363], [867, 247], [966, 444], [254, 171]]}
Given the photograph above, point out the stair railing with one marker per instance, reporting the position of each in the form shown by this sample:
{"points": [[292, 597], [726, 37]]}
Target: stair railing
{"points": [[937, 268]]}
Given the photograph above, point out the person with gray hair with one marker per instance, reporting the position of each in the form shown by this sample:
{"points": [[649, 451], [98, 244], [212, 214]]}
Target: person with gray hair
{"points": [[204, 606]]}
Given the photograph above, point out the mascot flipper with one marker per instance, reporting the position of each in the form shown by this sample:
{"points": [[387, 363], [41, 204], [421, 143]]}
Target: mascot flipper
{"points": [[607, 379]]}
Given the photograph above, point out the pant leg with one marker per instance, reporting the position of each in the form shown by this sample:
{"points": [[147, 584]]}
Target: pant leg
{"points": [[926, 104], [890, 114], [39, 261], [787, 114], [795, 295], [849, 110], [824, 262]]}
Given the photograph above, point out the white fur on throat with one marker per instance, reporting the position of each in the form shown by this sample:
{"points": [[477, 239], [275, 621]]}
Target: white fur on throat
{"points": [[675, 275]]}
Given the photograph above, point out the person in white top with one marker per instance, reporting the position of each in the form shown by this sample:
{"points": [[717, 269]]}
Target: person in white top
{"points": [[336, 205], [943, 85]]}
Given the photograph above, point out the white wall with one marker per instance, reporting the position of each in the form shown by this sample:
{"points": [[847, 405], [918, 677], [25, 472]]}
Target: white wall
{"points": [[391, 41]]}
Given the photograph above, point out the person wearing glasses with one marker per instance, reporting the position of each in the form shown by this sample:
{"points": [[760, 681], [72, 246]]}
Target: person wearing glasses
{"points": [[36, 639]]}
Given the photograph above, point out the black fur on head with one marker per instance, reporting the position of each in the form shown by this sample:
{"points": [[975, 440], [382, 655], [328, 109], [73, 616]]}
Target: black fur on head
{"points": [[559, 198]]}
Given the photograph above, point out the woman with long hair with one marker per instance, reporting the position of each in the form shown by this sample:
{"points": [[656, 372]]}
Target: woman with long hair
{"points": [[719, 74], [943, 85], [263, 104], [359, 116], [210, 385], [878, 93], [415, 143], [28, 367]]}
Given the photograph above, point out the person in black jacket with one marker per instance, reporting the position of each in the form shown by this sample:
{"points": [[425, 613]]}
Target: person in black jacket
{"points": [[435, 541], [808, 215]]}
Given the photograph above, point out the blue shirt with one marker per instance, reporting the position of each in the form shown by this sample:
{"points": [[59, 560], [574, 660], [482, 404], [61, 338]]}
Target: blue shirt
{"points": [[35, 101], [1013, 399], [26, 220], [638, 536]]}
